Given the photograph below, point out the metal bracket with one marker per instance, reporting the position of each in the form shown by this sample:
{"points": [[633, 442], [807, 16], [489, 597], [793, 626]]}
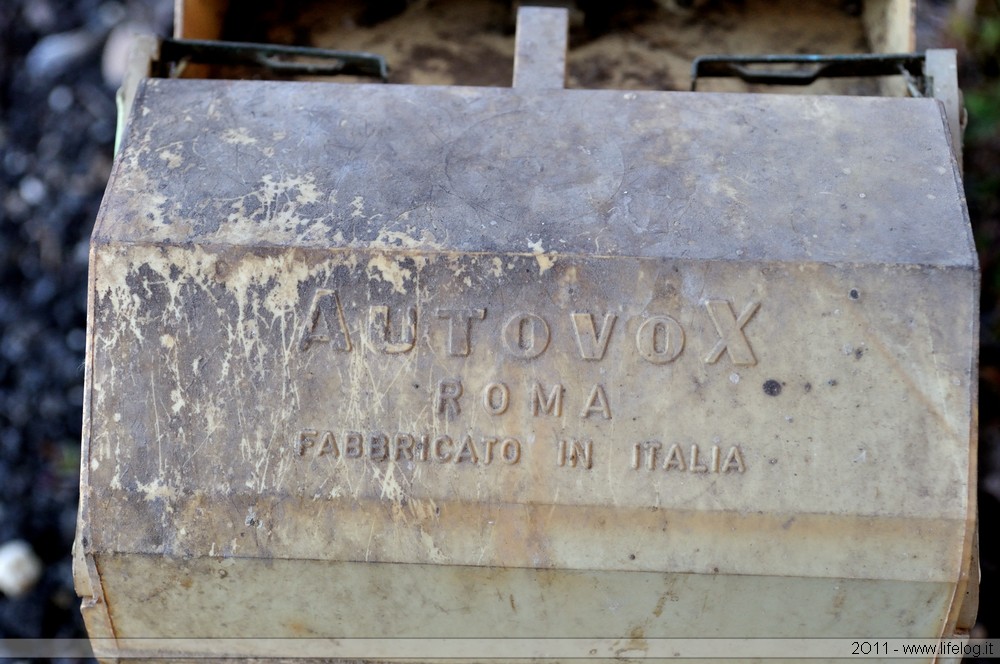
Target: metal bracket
{"points": [[285, 60], [773, 70]]}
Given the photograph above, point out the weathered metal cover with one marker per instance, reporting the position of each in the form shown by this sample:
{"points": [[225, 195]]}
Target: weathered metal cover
{"points": [[372, 361]]}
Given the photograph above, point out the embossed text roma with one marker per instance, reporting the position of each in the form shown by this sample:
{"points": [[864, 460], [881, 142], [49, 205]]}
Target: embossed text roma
{"points": [[658, 340]]}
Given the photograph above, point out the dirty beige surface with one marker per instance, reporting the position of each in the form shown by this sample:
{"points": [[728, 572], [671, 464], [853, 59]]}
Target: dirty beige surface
{"points": [[477, 362]]}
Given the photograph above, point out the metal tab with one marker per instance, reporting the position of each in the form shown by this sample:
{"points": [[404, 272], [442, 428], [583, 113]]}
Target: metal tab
{"points": [[540, 48], [941, 71]]}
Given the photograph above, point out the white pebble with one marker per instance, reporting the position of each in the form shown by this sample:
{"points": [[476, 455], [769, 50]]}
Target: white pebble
{"points": [[117, 49], [20, 568], [39, 15], [32, 190], [110, 14], [54, 54], [60, 99]]}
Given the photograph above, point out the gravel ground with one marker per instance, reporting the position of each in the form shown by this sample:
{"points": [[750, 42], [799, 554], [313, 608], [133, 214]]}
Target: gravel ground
{"points": [[56, 137]]}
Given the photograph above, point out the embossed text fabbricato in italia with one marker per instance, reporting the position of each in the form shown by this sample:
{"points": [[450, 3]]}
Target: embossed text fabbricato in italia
{"points": [[388, 361]]}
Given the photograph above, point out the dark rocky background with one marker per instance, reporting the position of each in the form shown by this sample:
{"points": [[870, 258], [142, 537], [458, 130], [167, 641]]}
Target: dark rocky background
{"points": [[58, 72], [56, 139]]}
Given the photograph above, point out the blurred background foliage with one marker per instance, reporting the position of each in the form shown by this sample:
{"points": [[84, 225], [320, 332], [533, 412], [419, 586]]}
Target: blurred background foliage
{"points": [[975, 32], [978, 38]]}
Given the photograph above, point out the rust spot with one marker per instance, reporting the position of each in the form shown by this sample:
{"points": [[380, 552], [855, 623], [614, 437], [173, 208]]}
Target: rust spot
{"points": [[658, 611], [298, 629]]}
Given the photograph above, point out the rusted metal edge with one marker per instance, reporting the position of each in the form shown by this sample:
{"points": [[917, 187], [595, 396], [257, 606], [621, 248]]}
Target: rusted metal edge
{"points": [[280, 59], [770, 70]]}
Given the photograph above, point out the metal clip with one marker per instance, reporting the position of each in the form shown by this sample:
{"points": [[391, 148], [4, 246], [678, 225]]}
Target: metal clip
{"points": [[175, 53], [812, 67]]}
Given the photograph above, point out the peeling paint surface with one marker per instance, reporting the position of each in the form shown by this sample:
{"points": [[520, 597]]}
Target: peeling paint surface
{"points": [[667, 174]]}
